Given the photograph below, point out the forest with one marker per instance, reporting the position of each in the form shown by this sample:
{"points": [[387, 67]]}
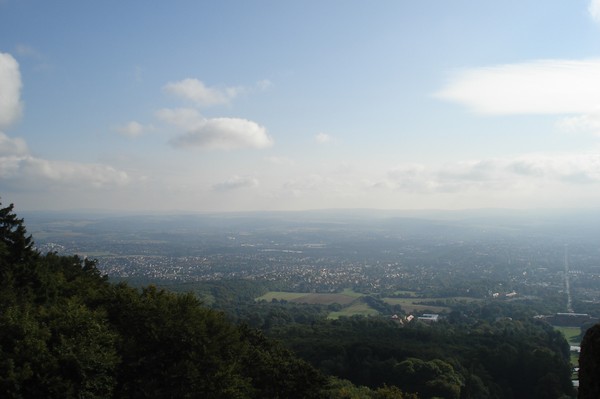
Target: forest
{"points": [[67, 331]]}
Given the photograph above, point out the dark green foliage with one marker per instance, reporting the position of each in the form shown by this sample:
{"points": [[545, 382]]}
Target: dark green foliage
{"points": [[589, 364], [65, 332], [276, 372], [15, 245], [172, 347], [472, 359]]}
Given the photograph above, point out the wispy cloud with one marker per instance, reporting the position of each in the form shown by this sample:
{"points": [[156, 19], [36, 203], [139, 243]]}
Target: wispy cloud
{"points": [[196, 91], [12, 147], [214, 133], [25, 50], [323, 138], [264, 84], [37, 173], [501, 174], [586, 123], [132, 129], [235, 183], [10, 90], [594, 10]]}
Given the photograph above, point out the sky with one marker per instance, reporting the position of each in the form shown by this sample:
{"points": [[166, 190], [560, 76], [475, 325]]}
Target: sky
{"points": [[205, 106]]}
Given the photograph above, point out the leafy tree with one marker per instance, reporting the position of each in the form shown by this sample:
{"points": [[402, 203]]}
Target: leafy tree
{"points": [[275, 371], [589, 364], [173, 347]]}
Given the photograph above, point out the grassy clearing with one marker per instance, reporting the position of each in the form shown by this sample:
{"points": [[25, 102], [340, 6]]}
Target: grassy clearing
{"points": [[350, 292], [357, 308], [348, 299], [571, 334], [325, 299], [409, 305], [279, 295], [312, 298]]}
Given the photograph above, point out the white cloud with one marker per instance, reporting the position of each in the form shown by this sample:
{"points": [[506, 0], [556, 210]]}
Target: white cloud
{"points": [[18, 168], [37, 173], [132, 129], [523, 172], [215, 133], [537, 87], [196, 91], [586, 123], [594, 10], [264, 84], [10, 90], [225, 134], [12, 147], [182, 118], [235, 183], [323, 138]]}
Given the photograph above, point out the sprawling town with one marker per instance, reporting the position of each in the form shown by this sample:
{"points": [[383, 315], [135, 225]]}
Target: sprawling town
{"points": [[386, 255]]}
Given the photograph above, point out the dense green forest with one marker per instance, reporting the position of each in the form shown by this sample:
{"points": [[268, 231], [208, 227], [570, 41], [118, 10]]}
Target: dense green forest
{"points": [[67, 331], [479, 350]]}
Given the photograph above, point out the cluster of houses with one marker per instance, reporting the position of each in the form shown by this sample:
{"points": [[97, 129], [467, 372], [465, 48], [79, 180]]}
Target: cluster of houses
{"points": [[425, 317]]}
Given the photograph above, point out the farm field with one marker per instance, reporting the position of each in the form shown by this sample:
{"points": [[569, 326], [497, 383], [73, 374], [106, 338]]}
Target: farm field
{"points": [[344, 298], [409, 305], [349, 299], [356, 308], [415, 304]]}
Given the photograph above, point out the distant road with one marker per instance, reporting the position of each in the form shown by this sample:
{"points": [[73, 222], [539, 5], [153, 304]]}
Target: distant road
{"points": [[567, 282]]}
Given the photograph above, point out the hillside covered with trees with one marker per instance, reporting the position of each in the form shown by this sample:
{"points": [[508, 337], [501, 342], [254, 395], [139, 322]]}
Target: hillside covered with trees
{"points": [[66, 332]]}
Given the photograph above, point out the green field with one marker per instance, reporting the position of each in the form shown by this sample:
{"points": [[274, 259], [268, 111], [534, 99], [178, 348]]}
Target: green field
{"points": [[279, 295], [415, 305], [344, 298], [352, 293], [410, 305], [571, 334], [352, 306], [357, 308]]}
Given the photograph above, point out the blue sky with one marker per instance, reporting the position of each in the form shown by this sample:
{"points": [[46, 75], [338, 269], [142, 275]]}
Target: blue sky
{"points": [[271, 105]]}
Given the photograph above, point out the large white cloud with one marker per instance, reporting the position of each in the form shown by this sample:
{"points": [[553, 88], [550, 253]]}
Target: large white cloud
{"points": [[10, 90], [537, 87], [214, 133], [196, 91]]}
